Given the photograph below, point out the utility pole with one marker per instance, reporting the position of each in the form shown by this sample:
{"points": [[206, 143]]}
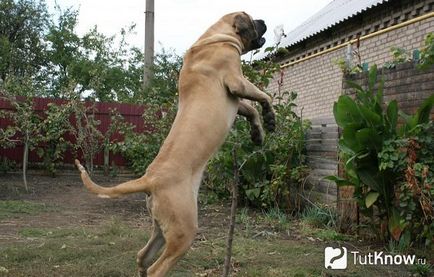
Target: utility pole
{"points": [[149, 41]]}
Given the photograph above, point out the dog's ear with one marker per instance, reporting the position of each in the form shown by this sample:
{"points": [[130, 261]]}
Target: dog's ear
{"points": [[244, 26]]}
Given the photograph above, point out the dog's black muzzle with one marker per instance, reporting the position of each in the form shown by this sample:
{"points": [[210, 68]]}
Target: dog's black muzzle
{"points": [[261, 28]]}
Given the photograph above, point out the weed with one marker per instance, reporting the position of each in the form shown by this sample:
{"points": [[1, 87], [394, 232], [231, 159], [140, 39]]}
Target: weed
{"points": [[330, 235], [397, 247], [320, 216], [15, 208], [276, 218], [422, 269], [246, 220]]}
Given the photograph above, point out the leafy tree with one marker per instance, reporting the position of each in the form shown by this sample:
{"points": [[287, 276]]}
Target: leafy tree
{"points": [[163, 85], [52, 144], [88, 137], [62, 53], [26, 127], [160, 100], [23, 24]]}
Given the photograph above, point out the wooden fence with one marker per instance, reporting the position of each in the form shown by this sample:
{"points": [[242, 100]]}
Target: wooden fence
{"points": [[322, 157], [131, 113]]}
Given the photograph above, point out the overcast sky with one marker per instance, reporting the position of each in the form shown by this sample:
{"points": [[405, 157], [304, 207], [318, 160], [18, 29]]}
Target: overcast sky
{"points": [[178, 23]]}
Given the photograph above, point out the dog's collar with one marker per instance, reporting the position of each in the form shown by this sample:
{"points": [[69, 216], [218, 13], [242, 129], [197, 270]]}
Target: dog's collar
{"points": [[222, 38]]}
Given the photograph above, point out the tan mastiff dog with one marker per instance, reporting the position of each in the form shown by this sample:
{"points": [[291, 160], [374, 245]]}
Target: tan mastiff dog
{"points": [[211, 89]]}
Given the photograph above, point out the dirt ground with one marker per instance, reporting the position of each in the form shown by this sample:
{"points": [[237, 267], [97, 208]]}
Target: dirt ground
{"points": [[70, 232], [72, 205]]}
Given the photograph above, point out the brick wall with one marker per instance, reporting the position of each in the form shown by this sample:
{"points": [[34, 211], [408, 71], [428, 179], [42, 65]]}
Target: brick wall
{"points": [[406, 84], [318, 80]]}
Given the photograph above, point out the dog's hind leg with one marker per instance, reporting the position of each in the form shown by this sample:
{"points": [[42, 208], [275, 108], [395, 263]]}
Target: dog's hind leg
{"points": [[177, 243], [147, 254], [179, 225]]}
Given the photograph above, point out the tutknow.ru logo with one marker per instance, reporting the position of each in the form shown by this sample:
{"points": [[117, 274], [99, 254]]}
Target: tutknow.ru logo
{"points": [[337, 258]]}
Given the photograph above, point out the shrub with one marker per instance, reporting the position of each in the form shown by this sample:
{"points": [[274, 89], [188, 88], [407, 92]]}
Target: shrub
{"points": [[427, 52], [160, 110], [386, 163], [52, 130]]}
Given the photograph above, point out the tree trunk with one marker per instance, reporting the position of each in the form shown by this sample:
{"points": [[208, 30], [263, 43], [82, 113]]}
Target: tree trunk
{"points": [[25, 160], [227, 264], [106, 160]]}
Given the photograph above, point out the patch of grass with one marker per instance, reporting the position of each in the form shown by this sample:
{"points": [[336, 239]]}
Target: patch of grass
{"points": [[52, 233], [331, 235], [320, 216], [397, 247], [245, 220], [15, 208], [109, 249], [276, 218], [106, 250], [422, 269], [324, 233]]}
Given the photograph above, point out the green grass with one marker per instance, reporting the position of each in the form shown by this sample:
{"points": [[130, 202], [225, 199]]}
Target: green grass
{"points": [[17, 208], [422, 269], [109, 248], [277, 218], [319, 216]]}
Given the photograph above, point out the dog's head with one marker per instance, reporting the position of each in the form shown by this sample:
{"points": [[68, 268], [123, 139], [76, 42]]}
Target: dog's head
{"points": [[249, 30]]}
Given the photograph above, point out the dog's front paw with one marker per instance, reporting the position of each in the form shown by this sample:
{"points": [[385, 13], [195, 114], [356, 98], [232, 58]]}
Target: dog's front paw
{"points": [[270, 121], [256, 134], [269, 116]]}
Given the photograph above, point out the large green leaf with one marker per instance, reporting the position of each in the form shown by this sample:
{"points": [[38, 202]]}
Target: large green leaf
{"points": [[392, 116], [396, 224], [345, 148], [371, 197], [253, 194], [424, 111], [355, 86], [368, 177], [379, 95], [369, 138], [372, 78], [345, 111], [340, 182], [422, 116], [370, 116], [349, 137]]}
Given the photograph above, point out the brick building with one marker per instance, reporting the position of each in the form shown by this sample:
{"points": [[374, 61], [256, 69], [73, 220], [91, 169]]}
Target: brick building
{"points": [[313, 47], [309, 67]]}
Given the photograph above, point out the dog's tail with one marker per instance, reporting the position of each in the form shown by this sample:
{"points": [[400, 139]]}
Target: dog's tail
{"points": [[138, 185]]}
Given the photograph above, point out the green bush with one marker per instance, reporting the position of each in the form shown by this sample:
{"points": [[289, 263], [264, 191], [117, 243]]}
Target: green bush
{"points": [[160, 110], [382, 161], [427, 52], [52, 130]]}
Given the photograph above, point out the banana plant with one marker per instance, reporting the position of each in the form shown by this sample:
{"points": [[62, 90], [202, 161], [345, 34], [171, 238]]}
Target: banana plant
{"points": [[366, 125]]}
